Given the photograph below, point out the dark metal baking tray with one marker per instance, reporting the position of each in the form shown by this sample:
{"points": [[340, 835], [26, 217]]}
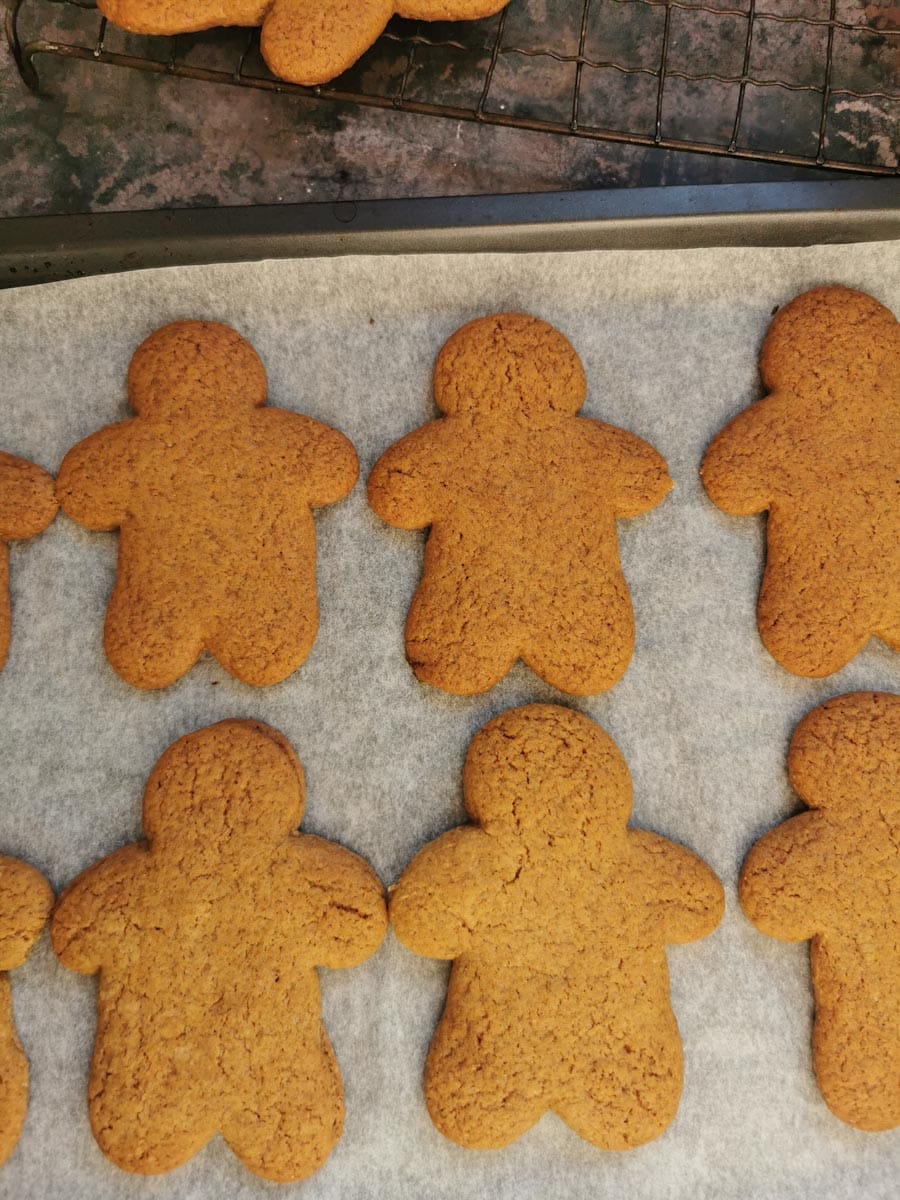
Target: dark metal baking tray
{"points": [[42, 249]]}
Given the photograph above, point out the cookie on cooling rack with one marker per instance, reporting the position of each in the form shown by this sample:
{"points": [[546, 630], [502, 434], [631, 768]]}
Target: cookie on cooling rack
{"points": [[303, 41]]}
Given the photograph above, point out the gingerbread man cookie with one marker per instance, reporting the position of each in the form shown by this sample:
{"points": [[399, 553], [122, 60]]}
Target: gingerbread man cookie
{"points": [[831, 876], [25, 902], [211, 491], [557, 916], [27, 506], [304, 41], [821, 453], [206, 938], [522, 498]]}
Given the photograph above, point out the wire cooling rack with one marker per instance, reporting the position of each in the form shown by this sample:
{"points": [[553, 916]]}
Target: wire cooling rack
{"points": [[806, 82]]}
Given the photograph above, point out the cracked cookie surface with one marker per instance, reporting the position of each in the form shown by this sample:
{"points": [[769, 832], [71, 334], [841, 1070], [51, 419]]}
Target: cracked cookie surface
{"points": [[211, 492], [25, 902], [522, 498], [557, 916], [206, 939], [821, 453], [832, 876]]}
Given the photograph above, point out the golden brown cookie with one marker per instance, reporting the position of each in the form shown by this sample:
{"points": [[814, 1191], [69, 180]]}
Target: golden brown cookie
{"points": [[557, 916], [206, 938], [212, 493], [27, 506], [25, 902], [821, 452], [832, 876], [304, 41], [522, 498]]}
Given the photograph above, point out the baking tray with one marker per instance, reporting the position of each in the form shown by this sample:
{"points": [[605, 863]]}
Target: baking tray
{"points": [[44, 249], [306, 316]]}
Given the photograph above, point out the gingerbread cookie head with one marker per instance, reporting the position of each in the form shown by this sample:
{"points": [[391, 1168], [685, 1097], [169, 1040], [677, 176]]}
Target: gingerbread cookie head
{"points": [[845, 757], [190, 367], [829, 335], [509, 364], [543, 772], [200, 784]]}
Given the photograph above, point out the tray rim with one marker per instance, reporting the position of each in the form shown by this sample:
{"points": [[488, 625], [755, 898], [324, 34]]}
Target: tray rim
{"points": [[44, 249]]}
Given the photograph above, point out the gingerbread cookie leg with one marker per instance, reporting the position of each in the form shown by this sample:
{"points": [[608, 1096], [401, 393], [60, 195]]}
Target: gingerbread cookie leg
{"points": [[289, 1127], [454, 638], [855, 1058], [13, 1076], [590, 642], [149, 641], [802, 622], [266, 636], [149, 1104], [624, 1099], [472, 1060]]}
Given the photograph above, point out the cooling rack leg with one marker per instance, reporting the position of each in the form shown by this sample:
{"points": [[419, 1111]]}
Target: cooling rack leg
{"points": [[22, 55]]}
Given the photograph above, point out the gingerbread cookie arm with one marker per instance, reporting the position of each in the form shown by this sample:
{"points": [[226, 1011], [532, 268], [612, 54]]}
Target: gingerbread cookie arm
{"points": [[27, 500], [346, 916], [435, 906], [746, 461], [685, 900], [25, 902], [774, 888], [402, 484], [91, 915], [637, 474], [92, 486], [325, 459]]}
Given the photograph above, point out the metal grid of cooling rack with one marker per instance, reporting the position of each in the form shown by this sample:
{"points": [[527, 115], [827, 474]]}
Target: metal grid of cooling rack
{"points": [[803, 82]]}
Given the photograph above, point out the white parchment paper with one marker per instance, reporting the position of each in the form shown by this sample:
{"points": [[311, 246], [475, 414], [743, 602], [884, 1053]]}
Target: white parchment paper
{"points": [[703, 716]]}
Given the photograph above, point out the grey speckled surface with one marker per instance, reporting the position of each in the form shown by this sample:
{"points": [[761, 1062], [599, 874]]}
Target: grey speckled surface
{"points": [[102, 138]]}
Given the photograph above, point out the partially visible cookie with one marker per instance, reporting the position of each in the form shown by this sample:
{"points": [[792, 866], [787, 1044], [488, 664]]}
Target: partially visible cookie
{"points": [[831, 876], [25, 902], [212, 492], [304, 41], [206, 938], [522, 498], [557, 916], [27, 506], [821, 453]]}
